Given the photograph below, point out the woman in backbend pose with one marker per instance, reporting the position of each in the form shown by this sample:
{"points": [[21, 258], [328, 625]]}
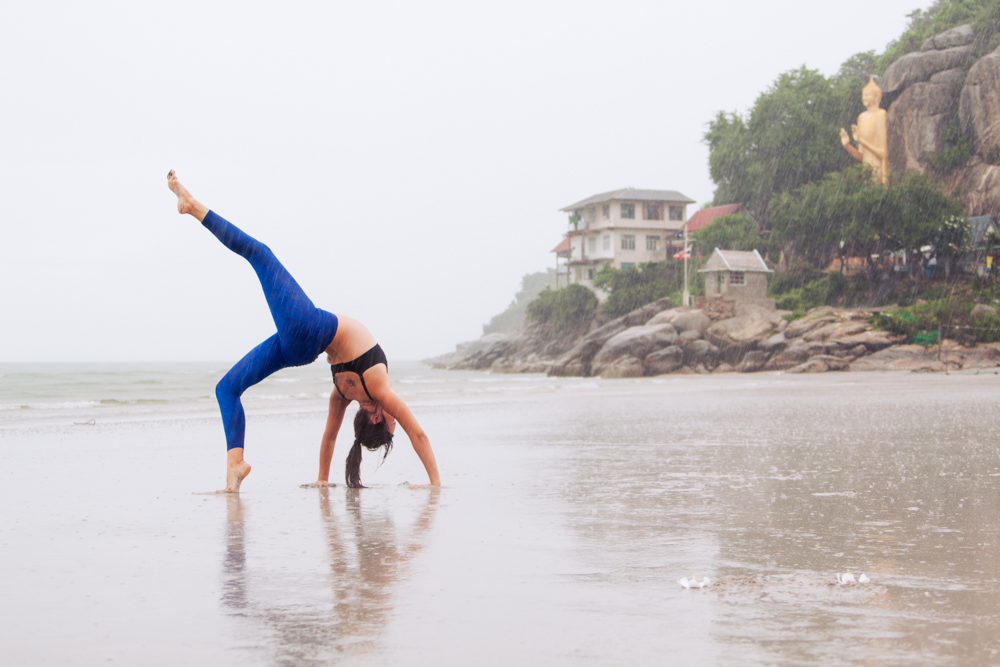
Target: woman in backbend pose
{"points": [[360, 370]]}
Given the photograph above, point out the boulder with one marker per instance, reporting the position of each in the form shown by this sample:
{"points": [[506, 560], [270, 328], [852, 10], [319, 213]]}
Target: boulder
{"points": [[822, 364], [858, 351], [957, 36], [795, 354], [918, 117], [835, 330], [636, 342], [752, 362], [775, 343], [738, 330], [663, 361], [623, 367], [979, 105], [899, 358], [700, 352], [647, 312], [872, 340], [686, 370], [724, 368], [922, 65], [807, 324], [689, 336], [982, 309], [694, 320]]}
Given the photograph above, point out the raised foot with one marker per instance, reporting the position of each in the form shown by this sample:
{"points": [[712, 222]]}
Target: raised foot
{"points": [[235, 474], [186, 204]]}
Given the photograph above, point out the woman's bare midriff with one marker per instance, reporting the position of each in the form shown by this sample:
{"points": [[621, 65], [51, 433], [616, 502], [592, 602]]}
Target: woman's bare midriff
{"points": [[351, 341]]}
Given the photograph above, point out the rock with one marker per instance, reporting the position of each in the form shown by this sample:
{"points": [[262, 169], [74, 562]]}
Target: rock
{"points": [[917, 118], [576, 362], [694, 320], [738, 330], [858, 351], [835, 330], [603, 333], [922, 65], [701, 370], [689, 336], [979, 106], [807, 324], [873, 340], [623, 367], [775, 343], [665, 317], [899, 358], [686, 370], [569, 368], [752, 362], [644, 314], [465, 350], [724, 368], [794, 355], [663, 361], [782, 325], [700, 352], [957, 36], [982, 309], [822, 364], [637, 342]]}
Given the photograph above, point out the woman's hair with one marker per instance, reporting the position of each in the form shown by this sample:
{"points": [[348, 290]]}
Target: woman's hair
{"points": [[371, 436]]}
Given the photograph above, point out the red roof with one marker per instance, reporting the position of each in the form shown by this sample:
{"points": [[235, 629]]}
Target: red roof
{"points": [[563, 245], [707, 215]]}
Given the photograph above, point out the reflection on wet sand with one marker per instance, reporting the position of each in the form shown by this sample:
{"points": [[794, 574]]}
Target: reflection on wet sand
{"points": [[323, 615]]}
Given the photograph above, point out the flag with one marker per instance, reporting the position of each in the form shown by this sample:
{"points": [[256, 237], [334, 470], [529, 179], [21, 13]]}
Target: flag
{"points": [[683, 254]]}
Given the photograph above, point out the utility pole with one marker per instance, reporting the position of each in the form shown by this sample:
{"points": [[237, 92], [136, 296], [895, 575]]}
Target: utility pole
{"points": [[687, 295]]}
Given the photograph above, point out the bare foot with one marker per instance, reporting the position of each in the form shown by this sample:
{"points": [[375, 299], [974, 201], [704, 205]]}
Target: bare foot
{"points": [[236, 472], [186, 204]]}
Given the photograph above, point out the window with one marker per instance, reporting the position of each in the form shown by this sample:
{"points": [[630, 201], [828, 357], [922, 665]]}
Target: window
{"points": [[628, 211], [590, 274], [606, 211], [676, 212], [652, 243], [628, 241], [607, 241], [589, 215], [592, 244], [628, 265], [737, 278], [654, 211]]}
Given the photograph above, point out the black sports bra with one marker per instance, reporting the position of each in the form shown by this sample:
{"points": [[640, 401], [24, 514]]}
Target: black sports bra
{"points": [[359, 366]]}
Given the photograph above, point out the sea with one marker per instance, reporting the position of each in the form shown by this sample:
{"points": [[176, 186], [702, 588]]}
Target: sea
{"points": [[570, 512]]}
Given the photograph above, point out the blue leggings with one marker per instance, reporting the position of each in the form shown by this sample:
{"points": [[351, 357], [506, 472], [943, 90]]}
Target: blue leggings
{"points": [[304, 330]]}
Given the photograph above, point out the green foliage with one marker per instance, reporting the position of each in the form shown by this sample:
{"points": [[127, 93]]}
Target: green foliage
{"points": [[916, 322], [957, 147], [563, 309], [828, 290], [790, 137], [730, 232], [904, 322], [986, 327], [869, 218], [512, 319], [634, 287]]}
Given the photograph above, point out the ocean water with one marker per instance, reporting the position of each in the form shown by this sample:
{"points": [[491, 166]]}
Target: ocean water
{"points": [[570, 508]]}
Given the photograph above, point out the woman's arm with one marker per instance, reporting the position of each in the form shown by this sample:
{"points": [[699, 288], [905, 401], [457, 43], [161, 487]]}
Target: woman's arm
{"points": [[391, 403], [334, 418]]}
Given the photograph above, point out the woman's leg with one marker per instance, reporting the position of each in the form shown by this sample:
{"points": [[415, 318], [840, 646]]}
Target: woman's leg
{"points": [[260, 362], [293, 312]]}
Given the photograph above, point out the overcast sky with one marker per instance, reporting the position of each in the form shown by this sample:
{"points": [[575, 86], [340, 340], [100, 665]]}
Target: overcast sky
{"points": [[406, 161]]}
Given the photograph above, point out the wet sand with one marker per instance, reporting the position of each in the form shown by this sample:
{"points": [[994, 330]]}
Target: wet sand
{"points": [[566, 519]]}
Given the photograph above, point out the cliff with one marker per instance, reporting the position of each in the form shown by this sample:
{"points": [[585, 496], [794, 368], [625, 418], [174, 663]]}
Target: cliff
{"points": [[944, 99]]}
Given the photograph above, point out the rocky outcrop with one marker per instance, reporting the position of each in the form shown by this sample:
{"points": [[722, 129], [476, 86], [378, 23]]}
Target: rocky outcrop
{"points": [[647, 343], [979, 105], [958, 36], [922, 65]]}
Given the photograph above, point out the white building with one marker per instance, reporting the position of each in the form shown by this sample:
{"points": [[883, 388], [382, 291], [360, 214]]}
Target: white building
{"points": [[621, 228]]}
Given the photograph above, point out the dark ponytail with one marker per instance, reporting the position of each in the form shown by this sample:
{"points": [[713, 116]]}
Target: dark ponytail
{"points": [[371, 436]]}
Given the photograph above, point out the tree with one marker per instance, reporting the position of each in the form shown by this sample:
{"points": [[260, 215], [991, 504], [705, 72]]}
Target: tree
{"points": [[730, 232], [634, 287], [789, 138], [512, 319], [563, 309], [847, 206]]}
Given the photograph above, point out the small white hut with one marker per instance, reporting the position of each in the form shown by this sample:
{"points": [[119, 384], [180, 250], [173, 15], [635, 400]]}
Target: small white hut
{"points": [[739, 276]]}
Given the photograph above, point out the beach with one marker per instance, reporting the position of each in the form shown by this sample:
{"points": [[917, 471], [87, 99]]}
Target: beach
{"points": [[569, 509]]}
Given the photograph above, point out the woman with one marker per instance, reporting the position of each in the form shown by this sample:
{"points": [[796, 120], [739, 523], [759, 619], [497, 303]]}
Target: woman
{"points": [[360, 370]]}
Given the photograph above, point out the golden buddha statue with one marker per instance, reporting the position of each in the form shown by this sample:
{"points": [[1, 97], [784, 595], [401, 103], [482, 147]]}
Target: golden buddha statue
{"points": [[870, 133]]}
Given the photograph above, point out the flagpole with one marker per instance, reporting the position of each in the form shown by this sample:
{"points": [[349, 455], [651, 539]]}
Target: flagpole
{"points": [[687, 295]]}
